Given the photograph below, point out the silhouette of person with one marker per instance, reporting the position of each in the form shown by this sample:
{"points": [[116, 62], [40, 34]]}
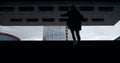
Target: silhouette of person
{"points": [[74, 23]]}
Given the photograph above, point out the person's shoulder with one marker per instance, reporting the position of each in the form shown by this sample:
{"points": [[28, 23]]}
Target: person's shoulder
{"points": [[69, 11]]}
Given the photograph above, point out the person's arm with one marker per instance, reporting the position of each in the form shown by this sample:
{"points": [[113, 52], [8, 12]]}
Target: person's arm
{"points": [[66, 14], [83, 18]]}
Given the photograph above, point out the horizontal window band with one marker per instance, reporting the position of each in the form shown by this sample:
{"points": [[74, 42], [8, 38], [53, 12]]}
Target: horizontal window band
{"points": [[97, 19], [7, 8], [16, 20], [86, 8], [32, 20], [46, 8], [48, 19], [63, 19], [106, 8], [26, 8], [63, 8]]}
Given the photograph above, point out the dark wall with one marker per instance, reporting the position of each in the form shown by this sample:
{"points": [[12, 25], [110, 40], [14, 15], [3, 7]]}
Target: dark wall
{"points": [[59, 0]]}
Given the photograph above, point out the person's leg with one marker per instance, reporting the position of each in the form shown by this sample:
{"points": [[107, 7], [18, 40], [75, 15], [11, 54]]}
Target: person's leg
{"points": [[73, 35], [77, 34]]}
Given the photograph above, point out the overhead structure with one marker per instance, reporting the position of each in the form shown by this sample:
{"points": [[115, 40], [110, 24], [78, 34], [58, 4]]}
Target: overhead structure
{"points": [[49, 13]]}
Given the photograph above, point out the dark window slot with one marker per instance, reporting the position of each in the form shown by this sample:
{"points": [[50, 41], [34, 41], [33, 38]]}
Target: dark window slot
{"points": [[48, 19], [97, 19], [16, 20], [106, 8], [63, 19], [32, 20], [86, 8], [7, 8], [26, 8], [46, 8], [63, 8]]}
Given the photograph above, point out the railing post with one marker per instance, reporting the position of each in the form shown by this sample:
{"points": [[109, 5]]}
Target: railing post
{"points": [[66, 33]]}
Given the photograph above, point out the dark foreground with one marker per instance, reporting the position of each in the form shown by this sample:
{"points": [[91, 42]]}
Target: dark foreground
{"points": [[60, 44]]}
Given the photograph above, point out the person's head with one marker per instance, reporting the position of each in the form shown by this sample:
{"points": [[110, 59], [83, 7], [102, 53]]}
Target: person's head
{"points": [[73, 7]]}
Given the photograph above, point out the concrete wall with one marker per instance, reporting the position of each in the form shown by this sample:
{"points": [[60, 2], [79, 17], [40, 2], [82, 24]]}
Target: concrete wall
{"points": [[108, 15]]}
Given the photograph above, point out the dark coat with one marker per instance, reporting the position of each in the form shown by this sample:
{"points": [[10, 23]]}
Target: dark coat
{"points": [[74, 20]]}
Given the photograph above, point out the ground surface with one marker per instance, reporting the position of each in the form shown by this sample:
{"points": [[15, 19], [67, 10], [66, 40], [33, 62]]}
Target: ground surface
{"points": [[61, 44]]}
